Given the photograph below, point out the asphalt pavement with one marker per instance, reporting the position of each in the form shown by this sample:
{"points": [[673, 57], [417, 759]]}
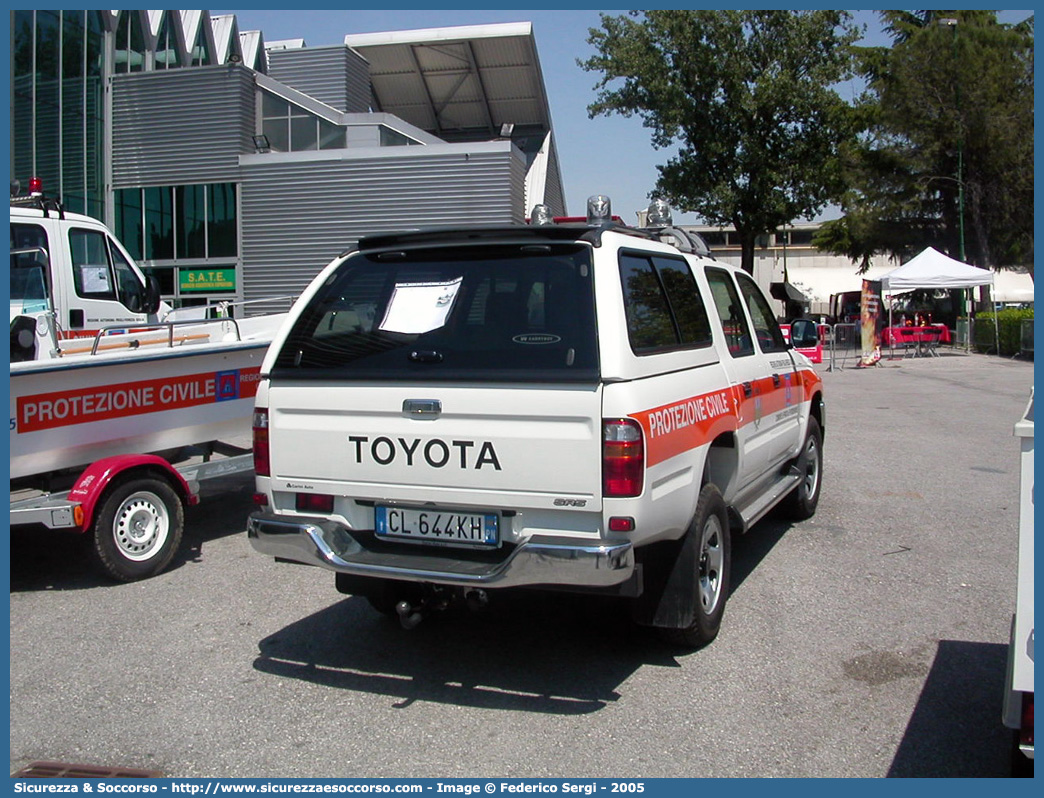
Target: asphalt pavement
{"points": [[869, 641]]}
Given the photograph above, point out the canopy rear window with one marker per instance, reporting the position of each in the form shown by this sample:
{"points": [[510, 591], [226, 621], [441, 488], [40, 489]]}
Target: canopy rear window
{"points": [[480, 312]]}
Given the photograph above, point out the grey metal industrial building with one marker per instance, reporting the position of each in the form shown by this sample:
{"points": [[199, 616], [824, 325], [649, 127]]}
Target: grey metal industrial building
{"points": [[235, 170]]}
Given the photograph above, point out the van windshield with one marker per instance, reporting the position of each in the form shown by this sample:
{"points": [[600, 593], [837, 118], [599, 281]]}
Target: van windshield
{"points": [[480, 312]]}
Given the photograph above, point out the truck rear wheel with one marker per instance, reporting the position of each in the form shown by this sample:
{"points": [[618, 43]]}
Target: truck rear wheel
{"points": [[710, 533], [803, 500], [138, 529]]}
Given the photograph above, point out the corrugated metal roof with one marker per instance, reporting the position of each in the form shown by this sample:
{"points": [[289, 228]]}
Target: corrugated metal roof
{"points": [[458, 80]]}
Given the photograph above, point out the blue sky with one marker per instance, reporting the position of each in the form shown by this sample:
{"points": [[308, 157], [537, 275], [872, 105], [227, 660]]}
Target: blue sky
{"points": [[606, 155]]}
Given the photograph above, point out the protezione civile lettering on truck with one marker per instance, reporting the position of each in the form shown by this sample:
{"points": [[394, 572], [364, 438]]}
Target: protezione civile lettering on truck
{"points": [[577, 407]]}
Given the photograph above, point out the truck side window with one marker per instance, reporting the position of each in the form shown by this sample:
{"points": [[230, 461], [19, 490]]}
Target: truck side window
{"points": [[730, 311], [662, 304], [686, 302], [770, 337]]}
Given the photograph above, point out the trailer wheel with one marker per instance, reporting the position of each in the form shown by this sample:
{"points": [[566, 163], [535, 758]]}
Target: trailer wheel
{"points": [[710, 533], [803, 500], [138, 529]]}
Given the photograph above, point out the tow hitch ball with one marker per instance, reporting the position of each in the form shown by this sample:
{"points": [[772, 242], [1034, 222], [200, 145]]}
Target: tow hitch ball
{"points": [[410, 615]]}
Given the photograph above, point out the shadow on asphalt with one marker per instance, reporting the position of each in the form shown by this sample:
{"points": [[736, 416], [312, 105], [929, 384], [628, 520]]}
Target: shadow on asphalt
{"points": [[750, 549], [588, 648], [955, 729], [485, 659]]}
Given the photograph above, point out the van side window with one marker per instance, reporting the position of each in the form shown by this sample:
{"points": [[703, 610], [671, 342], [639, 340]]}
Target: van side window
{"points": [[131, 291], [766, 329], [100, 270], [92, 277], [730, 311], [662, 304], [30, 279], [29, 236]]}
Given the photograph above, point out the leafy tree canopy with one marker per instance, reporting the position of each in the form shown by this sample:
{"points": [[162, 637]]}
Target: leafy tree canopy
{"points": [[946, 157], [746, 98]]}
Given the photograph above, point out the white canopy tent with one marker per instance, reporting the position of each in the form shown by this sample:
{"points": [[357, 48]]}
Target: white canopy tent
{"points": [[931, 270]]}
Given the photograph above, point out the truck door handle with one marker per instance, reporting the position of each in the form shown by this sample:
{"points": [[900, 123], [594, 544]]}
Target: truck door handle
{"points": [[775, 380], [748, 389]]}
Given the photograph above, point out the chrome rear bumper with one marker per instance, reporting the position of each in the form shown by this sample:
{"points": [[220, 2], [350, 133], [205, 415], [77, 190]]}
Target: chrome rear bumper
{"points": [[551, 561]]}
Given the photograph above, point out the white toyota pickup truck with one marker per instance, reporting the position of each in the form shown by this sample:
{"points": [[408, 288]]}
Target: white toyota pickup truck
{"points": [[573, 407]]}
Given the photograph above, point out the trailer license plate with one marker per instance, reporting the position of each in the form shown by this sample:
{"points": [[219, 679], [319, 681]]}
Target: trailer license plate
{"points": [[436, 526]]}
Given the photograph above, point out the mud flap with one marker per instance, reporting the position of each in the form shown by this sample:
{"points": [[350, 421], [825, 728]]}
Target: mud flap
{"points": [[669, 573]]}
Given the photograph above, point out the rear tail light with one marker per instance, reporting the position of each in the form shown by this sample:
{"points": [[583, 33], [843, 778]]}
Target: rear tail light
{"points": [[1026, 732], [314, 503], [262, 465], [623, 458]]}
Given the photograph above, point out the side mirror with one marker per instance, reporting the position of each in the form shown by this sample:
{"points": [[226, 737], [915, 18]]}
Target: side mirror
{"points": [[151, 302], [803, 333]]}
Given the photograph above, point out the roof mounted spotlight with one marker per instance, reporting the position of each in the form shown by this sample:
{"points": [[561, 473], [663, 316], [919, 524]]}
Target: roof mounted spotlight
{"points": [[261, 143], [541, 215], [659, 214], [599, 210], [507, 129], [235, 58]]}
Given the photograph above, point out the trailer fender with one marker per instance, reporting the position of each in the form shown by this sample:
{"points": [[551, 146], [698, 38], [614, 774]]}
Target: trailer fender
{"points": [[91, 484]]}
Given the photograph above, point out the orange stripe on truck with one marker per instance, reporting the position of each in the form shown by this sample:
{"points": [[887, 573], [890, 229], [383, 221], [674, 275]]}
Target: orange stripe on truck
{"points": [[678, 427]]}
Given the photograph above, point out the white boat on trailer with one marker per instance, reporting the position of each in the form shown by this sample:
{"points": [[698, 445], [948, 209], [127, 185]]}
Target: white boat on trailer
{"points": [[158, 388], [98, 429]]}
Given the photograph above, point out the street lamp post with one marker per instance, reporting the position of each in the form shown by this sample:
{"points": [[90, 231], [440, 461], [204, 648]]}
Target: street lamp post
{"points": [[950, 22]]}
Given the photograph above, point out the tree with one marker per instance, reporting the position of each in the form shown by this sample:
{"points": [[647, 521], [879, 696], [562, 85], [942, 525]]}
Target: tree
{"points": [[746, 98], [947, 155]]}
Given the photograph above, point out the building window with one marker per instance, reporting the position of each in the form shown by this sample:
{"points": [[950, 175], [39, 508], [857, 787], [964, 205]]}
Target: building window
{"points": [[130, 44], [201, 55], [159, 223], [393, 138], [191, 221], [290, 128], [331, 136], [222, 235], [801, 238], [130, 225], [168, 55], [56, 105], [178, 222]]}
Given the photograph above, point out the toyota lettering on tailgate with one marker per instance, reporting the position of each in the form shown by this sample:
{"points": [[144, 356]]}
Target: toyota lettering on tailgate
{"points": [[435, 452]]}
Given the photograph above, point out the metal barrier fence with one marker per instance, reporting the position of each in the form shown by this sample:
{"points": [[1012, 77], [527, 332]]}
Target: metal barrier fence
{"points": [[844, 342], [841, 342]]}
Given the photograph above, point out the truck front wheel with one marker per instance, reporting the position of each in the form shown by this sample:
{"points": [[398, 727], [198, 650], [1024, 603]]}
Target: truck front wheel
{"points": [[138, 529]]}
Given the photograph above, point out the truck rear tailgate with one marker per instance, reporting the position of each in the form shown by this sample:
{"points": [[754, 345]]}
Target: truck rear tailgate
{"points": [[453, 445]]}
